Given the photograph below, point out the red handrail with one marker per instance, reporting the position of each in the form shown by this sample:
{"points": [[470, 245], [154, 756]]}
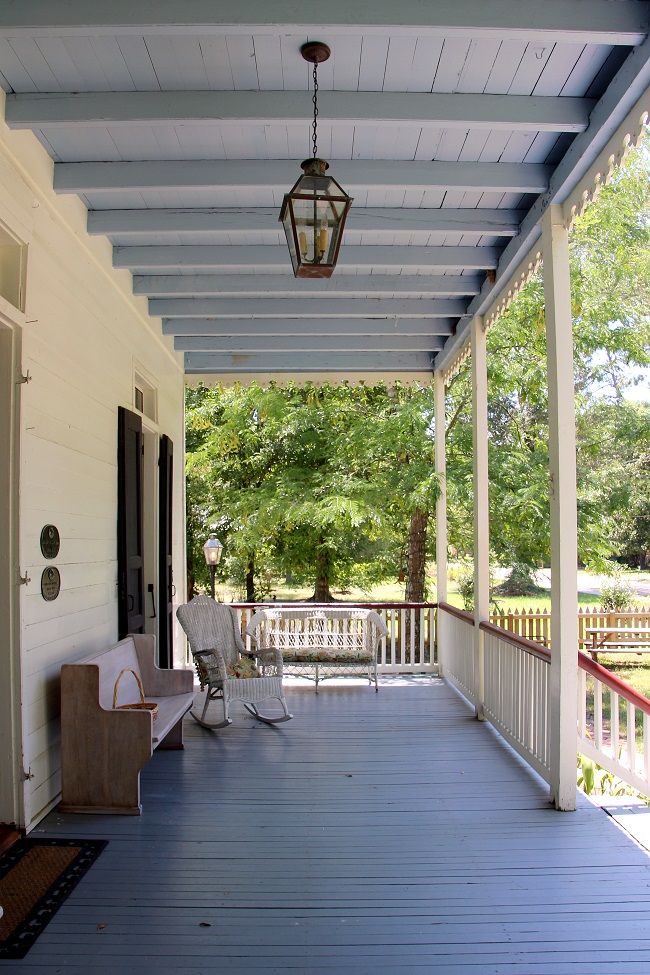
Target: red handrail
{"points": [[613, 682], [534, 649], [460, 614]]}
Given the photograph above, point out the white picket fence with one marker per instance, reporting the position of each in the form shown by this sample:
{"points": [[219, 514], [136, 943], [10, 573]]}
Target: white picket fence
{"points": [[410, 643]]}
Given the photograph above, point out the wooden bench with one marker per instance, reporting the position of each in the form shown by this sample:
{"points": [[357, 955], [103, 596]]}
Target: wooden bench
{"points": [[102, 748], [321, 642]]}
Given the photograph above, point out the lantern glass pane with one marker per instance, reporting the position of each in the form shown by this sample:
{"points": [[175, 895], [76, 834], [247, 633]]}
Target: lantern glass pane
{"points": [[287, 223]]}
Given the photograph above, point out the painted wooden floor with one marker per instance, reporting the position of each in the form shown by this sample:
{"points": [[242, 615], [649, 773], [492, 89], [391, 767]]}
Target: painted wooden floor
{"points": [[387, 833]]}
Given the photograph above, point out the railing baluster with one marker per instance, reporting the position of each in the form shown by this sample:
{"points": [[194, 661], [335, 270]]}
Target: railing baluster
{"points": [[598, 714], [631, 736]]}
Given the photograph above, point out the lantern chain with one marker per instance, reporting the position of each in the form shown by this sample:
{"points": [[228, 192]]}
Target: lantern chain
{"points": [[315, 101]]}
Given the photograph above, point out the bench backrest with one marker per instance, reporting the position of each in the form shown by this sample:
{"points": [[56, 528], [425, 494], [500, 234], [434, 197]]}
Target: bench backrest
{"points": [[110, 663], [330, 629]]}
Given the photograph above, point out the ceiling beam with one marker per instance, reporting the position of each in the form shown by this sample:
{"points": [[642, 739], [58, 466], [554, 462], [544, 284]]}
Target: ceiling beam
{"points": [[192, 256], [294, 345], [329, 362], [527, 113], [259, 220], [279, 175], [596, 22], [285, 285], [307, 307], [296, 327]]}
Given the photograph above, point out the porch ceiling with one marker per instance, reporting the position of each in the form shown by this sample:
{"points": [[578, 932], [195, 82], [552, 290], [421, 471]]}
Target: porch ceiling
{"points": [[454, 125]]}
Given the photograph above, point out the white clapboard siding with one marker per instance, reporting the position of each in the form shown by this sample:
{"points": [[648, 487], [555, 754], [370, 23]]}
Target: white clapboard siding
{"points": [[84, 336]]}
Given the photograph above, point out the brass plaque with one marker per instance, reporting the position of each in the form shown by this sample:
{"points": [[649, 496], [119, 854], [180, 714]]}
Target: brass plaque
{"points": [[50, 583], [50, 541]]}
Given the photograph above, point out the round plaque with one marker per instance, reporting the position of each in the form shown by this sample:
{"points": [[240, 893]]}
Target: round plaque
{"points": [[50, 541], [50, 583]]}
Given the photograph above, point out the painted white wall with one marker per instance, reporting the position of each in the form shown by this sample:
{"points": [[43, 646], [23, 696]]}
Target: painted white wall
{"points": [[83, 337]]}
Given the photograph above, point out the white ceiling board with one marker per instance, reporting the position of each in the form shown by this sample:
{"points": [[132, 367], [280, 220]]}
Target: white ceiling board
{"points": [[541, 147], [295, 71], [138, 62], [586, 68], [478, 64], [399, 60], [530, 68], [34, 63], [372, 68], [425, 63], [268, 59], [518, 147], [452, 59], [451, 144], [346, 63], [241, 53], [17, 75], [494, 146], [110, 63], [68, 74], [558, 68], [216, 63], [505, 66], [428, 144]]}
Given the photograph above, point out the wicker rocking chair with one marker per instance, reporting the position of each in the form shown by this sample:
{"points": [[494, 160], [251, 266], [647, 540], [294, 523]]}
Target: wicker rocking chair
{"points": [[217, 647]]}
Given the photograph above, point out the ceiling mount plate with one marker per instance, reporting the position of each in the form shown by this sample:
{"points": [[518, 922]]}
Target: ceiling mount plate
{"points": [[315, 51]]}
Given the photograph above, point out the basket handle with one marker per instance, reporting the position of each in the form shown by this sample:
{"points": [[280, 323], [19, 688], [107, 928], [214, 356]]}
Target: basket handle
{"points": [[128, 670]]}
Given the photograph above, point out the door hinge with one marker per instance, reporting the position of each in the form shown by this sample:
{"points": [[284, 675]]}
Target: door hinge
{"points": [[27, 775], [24, 379], [23, 580]]}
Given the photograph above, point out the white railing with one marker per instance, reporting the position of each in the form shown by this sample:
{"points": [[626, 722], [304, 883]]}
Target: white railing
{"points": [[456, 649], [613, 724], [516, 702], [410, 643]]}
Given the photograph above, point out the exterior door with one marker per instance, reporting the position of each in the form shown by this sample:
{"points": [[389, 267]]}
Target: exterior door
{"points": [[130, 549], [12, 776], [165, 580]]}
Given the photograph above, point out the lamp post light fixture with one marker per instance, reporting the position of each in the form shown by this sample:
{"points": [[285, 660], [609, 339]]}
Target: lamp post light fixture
{"points": [[212, 553], [314, 210]]}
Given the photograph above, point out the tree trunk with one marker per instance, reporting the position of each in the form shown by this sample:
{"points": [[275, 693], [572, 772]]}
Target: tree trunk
{"points": [[322, 592], [250, 580], [415, 570], [416, 557]]}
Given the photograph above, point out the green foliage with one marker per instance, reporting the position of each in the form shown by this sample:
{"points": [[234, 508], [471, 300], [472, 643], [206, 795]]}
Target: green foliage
{"points": [[595, 780], [616, 593], [610, 265], [316, 481]]}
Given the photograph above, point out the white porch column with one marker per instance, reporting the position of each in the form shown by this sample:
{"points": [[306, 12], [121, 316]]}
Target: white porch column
{"points": [[564, 549], [440, 423], [481, 507], [440, 420]]}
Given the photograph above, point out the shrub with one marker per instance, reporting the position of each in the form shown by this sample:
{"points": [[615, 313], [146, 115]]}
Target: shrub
{"points": [[616, 593]]}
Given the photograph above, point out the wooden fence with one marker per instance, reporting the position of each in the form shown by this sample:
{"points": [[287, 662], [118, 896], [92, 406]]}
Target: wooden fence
{"points": [[535, 625]]}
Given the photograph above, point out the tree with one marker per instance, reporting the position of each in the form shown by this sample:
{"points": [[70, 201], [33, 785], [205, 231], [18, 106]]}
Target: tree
{"points": [[610, 264]]}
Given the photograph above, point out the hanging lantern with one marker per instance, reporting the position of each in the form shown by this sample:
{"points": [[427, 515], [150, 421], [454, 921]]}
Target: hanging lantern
{"points": [[313, 212]]}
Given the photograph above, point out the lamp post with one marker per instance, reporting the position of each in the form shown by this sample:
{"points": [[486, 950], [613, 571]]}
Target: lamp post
{"points": [[212, 552]]}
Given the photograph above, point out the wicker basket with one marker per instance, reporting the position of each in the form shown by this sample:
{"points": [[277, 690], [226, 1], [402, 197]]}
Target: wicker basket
{"points": [[140, 705]]}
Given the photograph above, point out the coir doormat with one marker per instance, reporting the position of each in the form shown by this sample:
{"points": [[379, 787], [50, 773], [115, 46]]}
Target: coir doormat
{"points": [[36, 876]]}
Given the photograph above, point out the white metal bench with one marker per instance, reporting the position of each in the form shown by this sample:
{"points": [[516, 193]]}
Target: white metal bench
{"points": [[318, 643]]}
